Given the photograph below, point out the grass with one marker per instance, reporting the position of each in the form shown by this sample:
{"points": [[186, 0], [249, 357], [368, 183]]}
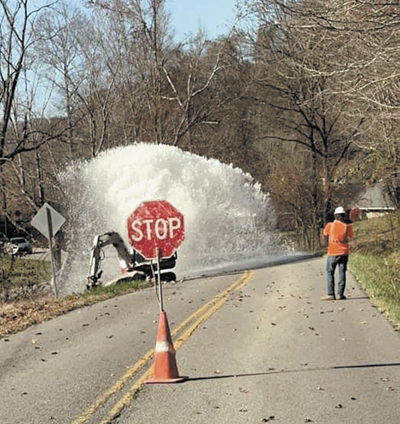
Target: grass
{"points": [[19, 272], [375, 261]]}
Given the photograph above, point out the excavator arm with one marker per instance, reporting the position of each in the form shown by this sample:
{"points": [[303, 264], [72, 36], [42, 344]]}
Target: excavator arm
{"points": [[125, 258], [130, 262]]}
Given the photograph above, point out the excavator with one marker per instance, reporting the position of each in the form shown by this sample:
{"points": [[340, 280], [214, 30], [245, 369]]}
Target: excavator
{"points": [[131, 262]]}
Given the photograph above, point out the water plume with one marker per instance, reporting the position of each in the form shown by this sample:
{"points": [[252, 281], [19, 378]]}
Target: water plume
{"points": [[229, 221]]}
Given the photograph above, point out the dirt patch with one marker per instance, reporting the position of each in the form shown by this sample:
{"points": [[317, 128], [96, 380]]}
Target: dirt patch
{"points": [[17, 316]]}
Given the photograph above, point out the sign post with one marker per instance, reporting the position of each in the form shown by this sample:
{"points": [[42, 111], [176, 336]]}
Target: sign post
{"points": [[48, 221], [159, 280], [156, 229]]}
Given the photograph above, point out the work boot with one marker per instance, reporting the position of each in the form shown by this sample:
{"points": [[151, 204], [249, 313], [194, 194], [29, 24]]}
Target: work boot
{"points": [[342, 297], [329, 297]]}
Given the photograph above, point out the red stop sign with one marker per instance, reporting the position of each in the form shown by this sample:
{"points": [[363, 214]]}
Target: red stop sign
{"points": [[156, 225]]}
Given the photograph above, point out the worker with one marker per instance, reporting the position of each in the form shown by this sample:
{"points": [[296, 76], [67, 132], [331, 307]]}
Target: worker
{"points": [[338, 253]]}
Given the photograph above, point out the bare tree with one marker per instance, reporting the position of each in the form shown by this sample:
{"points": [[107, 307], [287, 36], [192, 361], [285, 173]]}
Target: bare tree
{"points": [[308, 67], [58, 33], [16, 23]]}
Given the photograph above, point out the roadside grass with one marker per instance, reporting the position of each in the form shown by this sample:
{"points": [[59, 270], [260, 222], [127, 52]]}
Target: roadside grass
{"points": [[375, 261], [19, 315], [18, 272]]}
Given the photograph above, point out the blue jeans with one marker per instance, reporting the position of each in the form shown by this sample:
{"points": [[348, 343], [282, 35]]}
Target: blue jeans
{"points": [[331, 264]]}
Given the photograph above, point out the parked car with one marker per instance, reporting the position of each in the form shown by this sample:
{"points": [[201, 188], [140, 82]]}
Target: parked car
{"points": [[18, 246]]}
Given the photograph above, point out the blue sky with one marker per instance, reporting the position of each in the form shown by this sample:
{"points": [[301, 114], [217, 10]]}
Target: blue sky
{"points": [[186, 16], [215, 16]]}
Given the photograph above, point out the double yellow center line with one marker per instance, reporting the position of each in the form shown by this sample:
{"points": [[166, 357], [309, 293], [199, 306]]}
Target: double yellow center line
{"points": [[179, 335]]}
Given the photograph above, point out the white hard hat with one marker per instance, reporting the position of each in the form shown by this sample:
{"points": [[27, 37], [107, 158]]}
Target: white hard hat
{"points": [[339, 211]]}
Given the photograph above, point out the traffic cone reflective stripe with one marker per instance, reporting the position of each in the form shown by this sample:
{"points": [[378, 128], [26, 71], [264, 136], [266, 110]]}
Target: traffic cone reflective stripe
{"points": [[164, 347], [165, 368]]}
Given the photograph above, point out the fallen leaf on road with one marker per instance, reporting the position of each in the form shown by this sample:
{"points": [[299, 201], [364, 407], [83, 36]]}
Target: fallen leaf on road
{"points": [[340, 406], [353, 398], [272, 323], [243, 390], [364, 322], [266, 420]]}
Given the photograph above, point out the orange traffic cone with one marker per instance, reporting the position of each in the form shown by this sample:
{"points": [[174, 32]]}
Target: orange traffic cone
{"points": [[165, 369]]}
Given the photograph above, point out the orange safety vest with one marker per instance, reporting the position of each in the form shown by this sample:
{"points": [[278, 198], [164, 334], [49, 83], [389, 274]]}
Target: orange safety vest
{"points": [[338, 233]]}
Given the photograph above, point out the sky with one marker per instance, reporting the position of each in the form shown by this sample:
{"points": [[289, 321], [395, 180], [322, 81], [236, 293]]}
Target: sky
{"points": [[215, 16], [186, 16]]}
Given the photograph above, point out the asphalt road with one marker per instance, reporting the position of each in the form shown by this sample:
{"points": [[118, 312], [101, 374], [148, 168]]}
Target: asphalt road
{"points": [[265, 350]]}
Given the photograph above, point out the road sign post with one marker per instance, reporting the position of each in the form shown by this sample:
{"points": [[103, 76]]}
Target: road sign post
{"points": [[159, 280], [48, 221], [156, 229]]}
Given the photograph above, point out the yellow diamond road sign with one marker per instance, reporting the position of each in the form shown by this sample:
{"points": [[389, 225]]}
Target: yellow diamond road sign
{"points": [[41, 221]]}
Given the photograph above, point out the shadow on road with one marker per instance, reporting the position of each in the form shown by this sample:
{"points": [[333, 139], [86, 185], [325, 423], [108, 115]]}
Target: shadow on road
{"points": [[356, 298], [273, 371]]}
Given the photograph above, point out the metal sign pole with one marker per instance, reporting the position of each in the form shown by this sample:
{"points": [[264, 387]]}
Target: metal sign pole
{"points": [[50, 226], [159, 280]]}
